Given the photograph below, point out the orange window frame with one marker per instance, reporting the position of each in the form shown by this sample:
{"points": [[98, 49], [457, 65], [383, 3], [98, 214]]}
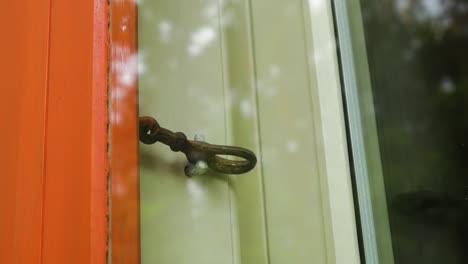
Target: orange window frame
{"points": [[125, 225], [62, 148]]}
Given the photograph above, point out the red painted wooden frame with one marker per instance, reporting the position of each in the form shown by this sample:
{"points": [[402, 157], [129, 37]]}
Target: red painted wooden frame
{"points": [[55, 139], [125, 243], [24, 73]]}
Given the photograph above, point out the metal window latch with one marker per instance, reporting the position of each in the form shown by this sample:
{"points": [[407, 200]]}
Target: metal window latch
{"points": [[199, 154]]}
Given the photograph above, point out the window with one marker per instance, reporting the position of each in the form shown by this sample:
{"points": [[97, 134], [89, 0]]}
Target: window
{"points": [[405, 77]]}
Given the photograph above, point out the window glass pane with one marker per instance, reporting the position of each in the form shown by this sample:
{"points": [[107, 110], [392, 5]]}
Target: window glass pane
{"points": [[418, 68]]}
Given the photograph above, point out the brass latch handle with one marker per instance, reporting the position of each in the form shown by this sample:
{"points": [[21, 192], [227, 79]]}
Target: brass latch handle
{"points": [[195, 151]]}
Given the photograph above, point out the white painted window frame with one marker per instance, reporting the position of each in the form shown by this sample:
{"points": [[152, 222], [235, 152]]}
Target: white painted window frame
{"points": [[331, 128]]}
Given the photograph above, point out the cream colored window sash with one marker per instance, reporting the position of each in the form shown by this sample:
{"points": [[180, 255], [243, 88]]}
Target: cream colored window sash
{"points": [[331, 130]]}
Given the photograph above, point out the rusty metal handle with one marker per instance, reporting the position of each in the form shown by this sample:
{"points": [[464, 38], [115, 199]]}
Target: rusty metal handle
{"points": [[151, 132]]}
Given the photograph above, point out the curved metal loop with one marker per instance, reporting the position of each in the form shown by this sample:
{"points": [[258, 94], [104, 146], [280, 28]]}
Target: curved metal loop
{"points": [[151, 132], [211, 153]]}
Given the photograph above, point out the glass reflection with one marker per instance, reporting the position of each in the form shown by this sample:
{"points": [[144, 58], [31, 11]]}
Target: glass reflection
{"points": [[418, 63]]}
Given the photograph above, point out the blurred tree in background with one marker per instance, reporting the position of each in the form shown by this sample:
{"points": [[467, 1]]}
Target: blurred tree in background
{"points": [[418, 59]]}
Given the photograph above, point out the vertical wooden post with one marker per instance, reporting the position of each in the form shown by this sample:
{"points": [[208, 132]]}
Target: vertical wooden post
{"points": [[125, 243], [54, 140], [24, 52]]}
